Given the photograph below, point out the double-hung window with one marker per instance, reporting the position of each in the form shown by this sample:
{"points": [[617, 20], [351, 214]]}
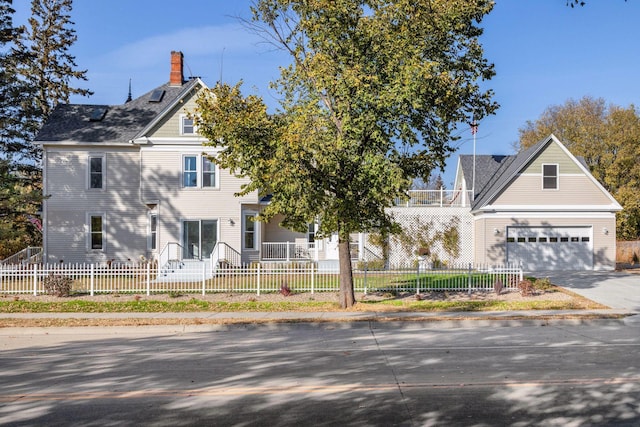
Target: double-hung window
{"points": [[208, 173], [198, 172], [187, 126], [96, 171], [190, 171], [96, 231], [153, 231], [550, 177], [249, 231]]}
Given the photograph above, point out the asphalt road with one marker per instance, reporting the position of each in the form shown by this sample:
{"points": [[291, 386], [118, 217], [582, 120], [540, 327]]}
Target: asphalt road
{"points": [[360, 374]]}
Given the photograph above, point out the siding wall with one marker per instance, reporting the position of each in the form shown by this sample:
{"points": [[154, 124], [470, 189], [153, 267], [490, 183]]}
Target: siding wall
{"points": [[71, 201], [572, 190], [553, 154], [170, 127], [162, 183]]}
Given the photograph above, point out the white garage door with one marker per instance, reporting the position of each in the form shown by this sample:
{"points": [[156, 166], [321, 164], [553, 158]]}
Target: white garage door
{"points": [[550, 248]]}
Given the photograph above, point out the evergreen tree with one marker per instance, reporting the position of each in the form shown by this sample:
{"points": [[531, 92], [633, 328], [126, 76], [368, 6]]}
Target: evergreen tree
{"points": [[36, 72], [10, 86], [46, 66]]}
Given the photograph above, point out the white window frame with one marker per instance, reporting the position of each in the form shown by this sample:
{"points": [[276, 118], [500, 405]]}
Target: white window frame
{"points": [[103, 173], [214, 172], [199, 171], [151, 231], [194, 130], [557, 176], [184, 171], [245, 221], [90, 232]]}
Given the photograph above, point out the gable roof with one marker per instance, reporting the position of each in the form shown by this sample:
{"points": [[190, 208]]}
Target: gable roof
{"points": [[120, 124], [495, 173]]}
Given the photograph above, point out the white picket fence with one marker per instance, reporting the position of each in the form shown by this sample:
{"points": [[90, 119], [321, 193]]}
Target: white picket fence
{"points": [[254, 278]]}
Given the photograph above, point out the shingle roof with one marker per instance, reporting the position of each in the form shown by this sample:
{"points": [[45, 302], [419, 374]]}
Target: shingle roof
{"points": [[121, 123], [506, 173], [486, 168]]}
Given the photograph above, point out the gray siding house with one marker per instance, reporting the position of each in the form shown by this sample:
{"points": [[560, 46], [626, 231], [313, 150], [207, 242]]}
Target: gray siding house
{"points": [[134, 182]]}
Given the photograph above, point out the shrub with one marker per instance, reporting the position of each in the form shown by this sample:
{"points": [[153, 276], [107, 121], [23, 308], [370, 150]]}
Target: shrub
{"points": [[56, 285], [285, 289], [543, 284], [526, 287]]}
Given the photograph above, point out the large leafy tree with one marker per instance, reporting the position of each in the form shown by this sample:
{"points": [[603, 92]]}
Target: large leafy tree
{"points": [[607, 137], [370, 101]]}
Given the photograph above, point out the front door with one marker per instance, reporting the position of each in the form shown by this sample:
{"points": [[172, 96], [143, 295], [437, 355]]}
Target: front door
{"points": [[199, 237]]}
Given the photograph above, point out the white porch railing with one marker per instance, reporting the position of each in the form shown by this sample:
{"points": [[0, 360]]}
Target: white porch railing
{"points": [[436, 198], [287, 251], [224, 255], [172, 252], [29, 255]]}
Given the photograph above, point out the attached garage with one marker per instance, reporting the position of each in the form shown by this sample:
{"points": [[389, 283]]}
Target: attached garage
{"points": [[550, 248]]}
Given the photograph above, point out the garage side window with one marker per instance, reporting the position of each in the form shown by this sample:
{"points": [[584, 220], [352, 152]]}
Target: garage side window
{"points": [[549, 177]]}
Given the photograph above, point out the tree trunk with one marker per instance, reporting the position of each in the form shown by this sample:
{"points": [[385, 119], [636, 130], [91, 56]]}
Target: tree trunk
{"points": [[347, 297]]}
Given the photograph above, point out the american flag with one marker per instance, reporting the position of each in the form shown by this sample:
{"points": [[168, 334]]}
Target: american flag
{"points": [[35, 221], [474, 127]]}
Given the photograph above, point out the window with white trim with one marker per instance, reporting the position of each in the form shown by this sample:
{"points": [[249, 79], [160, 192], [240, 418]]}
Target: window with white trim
{"points": [[153, 231], [208, 172], [96, 232], [190, 171], [550, 177], [199, 172], [249, 229], [96, 171], [187, 126]]}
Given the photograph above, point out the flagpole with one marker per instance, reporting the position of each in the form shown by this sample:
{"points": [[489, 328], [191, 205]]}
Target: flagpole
{"points": [[474, 130]]}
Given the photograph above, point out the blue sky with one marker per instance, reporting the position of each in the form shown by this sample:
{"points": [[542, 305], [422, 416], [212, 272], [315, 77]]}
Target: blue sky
{"points": [[543, 51]]}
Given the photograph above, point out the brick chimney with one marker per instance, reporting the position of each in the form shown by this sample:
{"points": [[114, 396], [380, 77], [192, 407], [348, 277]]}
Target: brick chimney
{"points": [[176, 77]]}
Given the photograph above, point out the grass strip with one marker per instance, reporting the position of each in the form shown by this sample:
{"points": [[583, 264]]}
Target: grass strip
{"points": [[196, 305]]}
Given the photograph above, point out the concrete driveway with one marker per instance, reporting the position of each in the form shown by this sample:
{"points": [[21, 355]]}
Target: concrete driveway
{"points": [[615, 289]]}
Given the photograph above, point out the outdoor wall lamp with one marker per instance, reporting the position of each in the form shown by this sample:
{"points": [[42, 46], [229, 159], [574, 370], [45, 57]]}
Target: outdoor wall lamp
{"points": [[231, 222], [496, 231], [605, 231]]}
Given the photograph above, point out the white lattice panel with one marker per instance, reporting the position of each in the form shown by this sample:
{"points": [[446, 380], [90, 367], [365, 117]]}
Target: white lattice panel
{"points": [[421, 227]]}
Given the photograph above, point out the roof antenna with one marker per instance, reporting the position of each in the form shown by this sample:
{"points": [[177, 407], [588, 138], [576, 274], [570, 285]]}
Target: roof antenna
{"points": [[129, 96]]}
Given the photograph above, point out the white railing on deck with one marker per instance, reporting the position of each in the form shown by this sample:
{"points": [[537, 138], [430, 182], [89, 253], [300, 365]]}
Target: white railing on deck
{"points": [[436, 198], [287, 251], [255, 277]]}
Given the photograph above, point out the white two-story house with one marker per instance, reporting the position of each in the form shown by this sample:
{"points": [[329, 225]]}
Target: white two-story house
{"points": [[134, 181]]}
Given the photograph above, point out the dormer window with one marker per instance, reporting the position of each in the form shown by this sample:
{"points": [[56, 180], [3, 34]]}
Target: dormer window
{"points": [[187, 126], [550, 177]]}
